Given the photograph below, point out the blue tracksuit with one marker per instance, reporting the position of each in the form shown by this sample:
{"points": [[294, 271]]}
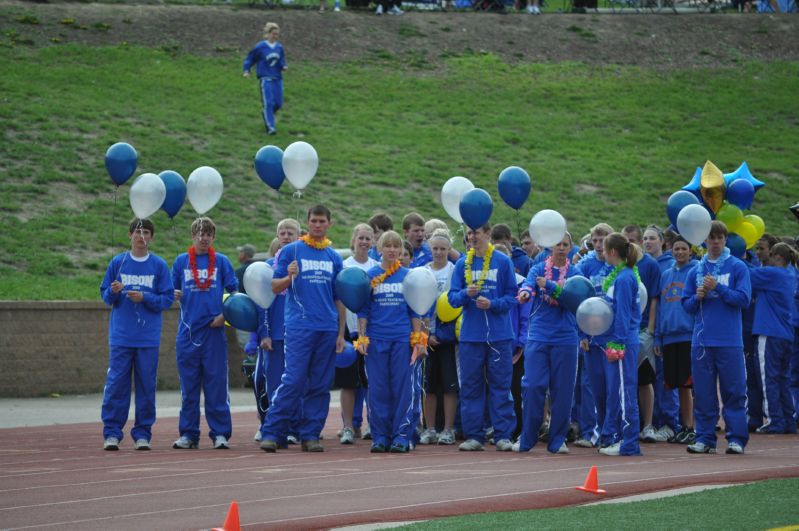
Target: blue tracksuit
{"points": [[486, 343], [421, 256], [311, 328], [202, 350], [393, 381], [674, 324], [521, 262], [550, 362], [754, 379], [269, 61], [134, 334], [794, 384], [717, 348], [622, 420], [774, 288]]}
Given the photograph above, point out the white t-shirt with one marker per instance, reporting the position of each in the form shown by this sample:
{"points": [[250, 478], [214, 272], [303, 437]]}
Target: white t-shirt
{"points": [[443, 281], [352, 319]]}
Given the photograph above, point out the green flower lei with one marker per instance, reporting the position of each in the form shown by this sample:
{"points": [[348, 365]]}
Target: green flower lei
{"points": [[611, 278]]}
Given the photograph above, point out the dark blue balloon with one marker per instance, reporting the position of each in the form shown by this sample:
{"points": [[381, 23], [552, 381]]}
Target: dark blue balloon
{"points": [[741, 193], [695, 186], [120, 162], [353, 288], [346, 357], [743, 173], [475, 208], [677, 201], [269, 166], [241, 312], [736, 245], [575, 291], [514, 186], [175, 192]]}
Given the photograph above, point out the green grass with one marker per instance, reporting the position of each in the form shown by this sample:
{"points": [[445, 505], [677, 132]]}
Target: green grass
{"points": [[761, 505], [605, 144]]}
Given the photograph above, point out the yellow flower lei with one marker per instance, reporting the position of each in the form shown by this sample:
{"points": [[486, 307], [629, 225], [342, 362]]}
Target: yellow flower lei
{"points": [[419, 338], [310, 242], [379, 279], [467, 267], [362, 340]]}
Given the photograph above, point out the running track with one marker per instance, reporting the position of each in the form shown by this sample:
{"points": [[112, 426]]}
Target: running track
{"points": [[58, 477]]}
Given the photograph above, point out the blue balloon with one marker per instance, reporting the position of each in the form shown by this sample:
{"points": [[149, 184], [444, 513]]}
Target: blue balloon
{"points": [[575, 291], [743, 173], [269, 166], [677, 201], [353, 288], [475, 208], [695, 186], [241, 312], [741, 193], [346, 357], [175, 192], [514, 186], [736, 245], [120, 162]]}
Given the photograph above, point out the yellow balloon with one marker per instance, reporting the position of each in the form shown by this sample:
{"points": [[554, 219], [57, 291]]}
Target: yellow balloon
{"points": [[445, 311], [224, 298], [748, 232], [730, 215], [758, 223], [712, 187], [458, 324]]}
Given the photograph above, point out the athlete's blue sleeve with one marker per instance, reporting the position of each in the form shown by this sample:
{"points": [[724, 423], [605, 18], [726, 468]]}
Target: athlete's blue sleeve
{"points": [[529, 282], [164, 294], [457, 296], [230, 282], [252, 344], [109, 297], [251, 59], [524, 322], [282, 58], [741, 295], [624, 290], [263, 330], [689, 301], [176, 275], [508, 283], [338, 265], [767, 278], [282, 264]]}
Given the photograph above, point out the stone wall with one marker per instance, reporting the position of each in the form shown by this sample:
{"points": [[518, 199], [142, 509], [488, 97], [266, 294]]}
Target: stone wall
{"points": [[62, 347]]}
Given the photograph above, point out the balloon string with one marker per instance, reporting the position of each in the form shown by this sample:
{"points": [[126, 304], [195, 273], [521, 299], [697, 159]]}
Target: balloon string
{"points": [[113, 219], [519, 225], [184, 323]]}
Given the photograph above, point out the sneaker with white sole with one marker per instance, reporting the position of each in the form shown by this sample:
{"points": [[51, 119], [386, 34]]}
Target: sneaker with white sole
{"points": [[379, 10], [700, 448], [347, 436], [613, 449], [648, 434], [517, 447], [184, 443], [111, 444], [292, 439], [447, 437], [429, 436], [563, 449], [142, 444], [367, 434], [504, 445], [583, 443], [257, 436], [220, 443], [395, 11], [664, 434], [471, 445], [733, 448]]}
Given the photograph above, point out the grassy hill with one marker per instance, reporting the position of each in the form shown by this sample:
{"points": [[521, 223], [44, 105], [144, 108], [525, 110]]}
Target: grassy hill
{"points": [[601, 142]]}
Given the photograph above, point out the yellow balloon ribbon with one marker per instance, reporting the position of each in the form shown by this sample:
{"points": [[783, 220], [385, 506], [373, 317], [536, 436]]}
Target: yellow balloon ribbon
{"points": [[712, 187]]}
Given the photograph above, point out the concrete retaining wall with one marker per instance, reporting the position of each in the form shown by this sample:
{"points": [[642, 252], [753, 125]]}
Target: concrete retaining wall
{"points": [[62, 347]]}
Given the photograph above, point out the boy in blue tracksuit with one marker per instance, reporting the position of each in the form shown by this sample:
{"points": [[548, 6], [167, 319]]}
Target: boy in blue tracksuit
{"points": [[138, 288], [718, 288], [550, 355], [314, 332], [200, 277], [413, 230], [269, 59], [390, 338], [484, 285], [774, 285]]}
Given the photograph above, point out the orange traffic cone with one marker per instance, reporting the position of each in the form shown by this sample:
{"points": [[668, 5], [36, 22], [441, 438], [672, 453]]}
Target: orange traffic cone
{"points": [[232, 520], [592, 483]]}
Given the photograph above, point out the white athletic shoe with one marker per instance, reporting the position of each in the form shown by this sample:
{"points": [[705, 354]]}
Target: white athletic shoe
{"points": [[347, 436], [220, 443], [664, 434], [471, 445], [504, 445], [184, 443], [429, 436], [648, 434], [583, 443], [734, 448], [257, 436], [379, 10], [111, 444], [563, 449], [142, 444], [613, 449], [447, 437]]}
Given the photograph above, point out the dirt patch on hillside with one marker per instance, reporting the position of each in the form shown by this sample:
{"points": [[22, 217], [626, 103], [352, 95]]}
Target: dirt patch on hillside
{"points": [[420, 39]]}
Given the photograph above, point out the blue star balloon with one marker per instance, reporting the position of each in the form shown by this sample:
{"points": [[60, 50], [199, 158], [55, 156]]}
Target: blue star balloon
{"points": [[743, 173], [695, 185]]}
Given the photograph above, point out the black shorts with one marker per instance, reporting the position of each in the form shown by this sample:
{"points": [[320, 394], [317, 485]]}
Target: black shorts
{"points": [[646, 374], [677, 365], [352, 377], [441, 369]]}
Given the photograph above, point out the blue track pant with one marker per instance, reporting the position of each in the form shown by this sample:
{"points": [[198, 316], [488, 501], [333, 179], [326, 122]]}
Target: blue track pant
{"points": [[271, 98], [479, 363], [204, 367], [774, 355], [622, 421], [794, 385], [392, 387], [143, 363], [547, 367], [584, 409], [596, 365], [723, 366], [305, 385]]}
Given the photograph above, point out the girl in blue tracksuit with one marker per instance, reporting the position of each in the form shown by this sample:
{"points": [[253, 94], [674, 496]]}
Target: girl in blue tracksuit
{"points": [[484, 285], [200, 278], [390, 338], [774, 286], [621, 350], [673, 336], [550, 355], [138, 288], [269, 59], [717, 291]]}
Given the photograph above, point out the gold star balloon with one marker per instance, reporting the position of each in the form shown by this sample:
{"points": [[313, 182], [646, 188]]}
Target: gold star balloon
{"points": [[712, 187]]}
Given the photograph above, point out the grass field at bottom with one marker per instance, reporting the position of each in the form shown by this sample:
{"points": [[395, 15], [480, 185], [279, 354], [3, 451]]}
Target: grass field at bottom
{"points": [[763, 505]]}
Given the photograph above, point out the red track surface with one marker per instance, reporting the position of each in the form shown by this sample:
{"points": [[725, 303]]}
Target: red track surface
{"points": [[58, 477]]}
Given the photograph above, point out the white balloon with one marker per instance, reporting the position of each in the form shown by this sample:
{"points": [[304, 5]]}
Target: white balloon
{"points": [[451, 194], [300, 163], [547, 228], [204, 189], [147, 194], [594, 316], [643, 297], [693, 223], [258, 284], [420, 289]]}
